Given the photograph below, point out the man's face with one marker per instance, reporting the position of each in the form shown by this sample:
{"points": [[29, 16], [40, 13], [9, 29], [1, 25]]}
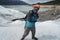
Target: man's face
{"points": [[35, 10]]}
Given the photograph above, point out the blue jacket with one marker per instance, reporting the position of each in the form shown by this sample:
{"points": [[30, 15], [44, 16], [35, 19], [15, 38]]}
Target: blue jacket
{"points": [[31, 19]]}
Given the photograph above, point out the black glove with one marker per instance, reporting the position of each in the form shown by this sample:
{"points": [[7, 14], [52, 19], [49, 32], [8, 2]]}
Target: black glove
{"points": [[14, 19]]}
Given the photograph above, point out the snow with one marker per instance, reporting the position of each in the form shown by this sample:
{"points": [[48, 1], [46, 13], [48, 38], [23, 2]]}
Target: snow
{"points": [[7, 14], [48, 30]]}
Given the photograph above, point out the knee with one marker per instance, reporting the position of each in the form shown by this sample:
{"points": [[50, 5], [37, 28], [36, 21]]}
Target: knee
{"points": [[26, 33]]}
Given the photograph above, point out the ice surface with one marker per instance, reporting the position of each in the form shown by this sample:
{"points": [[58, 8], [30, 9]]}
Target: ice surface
{"points": [[48, 30], [7, 14]]}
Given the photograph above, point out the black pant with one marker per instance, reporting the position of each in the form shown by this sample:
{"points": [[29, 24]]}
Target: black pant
{"points": [[27, 30]]}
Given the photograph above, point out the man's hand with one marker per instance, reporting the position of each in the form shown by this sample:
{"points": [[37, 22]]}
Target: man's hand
{"points": [[18, 19]]}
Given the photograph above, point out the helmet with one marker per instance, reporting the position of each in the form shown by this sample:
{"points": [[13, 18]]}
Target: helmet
{"points": [[36, 6]]}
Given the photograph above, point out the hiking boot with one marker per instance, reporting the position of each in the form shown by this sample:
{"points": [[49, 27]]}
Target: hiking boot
{"points": [[34, 38], [22, 39]]}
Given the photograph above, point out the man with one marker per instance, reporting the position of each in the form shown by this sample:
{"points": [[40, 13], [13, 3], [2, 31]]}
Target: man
{"points": [[30, 19]]}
